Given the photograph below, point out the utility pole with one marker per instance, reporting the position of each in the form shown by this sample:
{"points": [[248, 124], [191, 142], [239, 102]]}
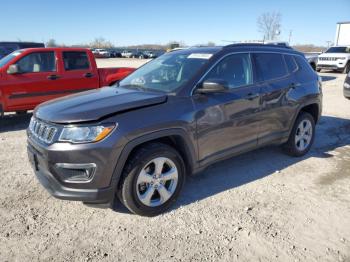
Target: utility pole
{"points": [[328, 43], [290, 36]]}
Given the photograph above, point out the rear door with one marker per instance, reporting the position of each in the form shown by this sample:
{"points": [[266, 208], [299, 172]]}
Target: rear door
{"points": [[79, 73], [276, 82], [228, 122], [36, 82]]}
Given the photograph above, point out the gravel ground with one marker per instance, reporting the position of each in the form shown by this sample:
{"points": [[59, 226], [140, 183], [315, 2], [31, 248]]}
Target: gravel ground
{"points": [[261, 206]]}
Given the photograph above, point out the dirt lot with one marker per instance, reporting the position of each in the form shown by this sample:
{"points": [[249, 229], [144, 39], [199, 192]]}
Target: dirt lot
{"points": [[261, 206]]}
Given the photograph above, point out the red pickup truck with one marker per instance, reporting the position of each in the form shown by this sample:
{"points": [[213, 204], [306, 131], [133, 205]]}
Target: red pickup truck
{"points": [[31, 76]]}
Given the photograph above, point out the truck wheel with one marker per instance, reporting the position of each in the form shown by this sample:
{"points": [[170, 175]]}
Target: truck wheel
{"points": [[302, 136], [346, 68], [318, 69], [152, 179]]}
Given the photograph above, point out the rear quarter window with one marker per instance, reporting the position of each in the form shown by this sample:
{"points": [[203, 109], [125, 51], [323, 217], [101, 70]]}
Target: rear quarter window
{"points": [[305, 71], [75, 61], [270, 66], [291, 64]]}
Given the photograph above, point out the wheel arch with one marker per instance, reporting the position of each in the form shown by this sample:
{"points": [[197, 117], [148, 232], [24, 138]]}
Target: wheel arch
{"points": [[177, 138]]}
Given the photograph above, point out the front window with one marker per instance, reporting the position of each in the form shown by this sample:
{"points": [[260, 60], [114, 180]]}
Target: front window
{"points": [[37, 62], [235, 70], [338, 49], [167, 73], [9, 57]]}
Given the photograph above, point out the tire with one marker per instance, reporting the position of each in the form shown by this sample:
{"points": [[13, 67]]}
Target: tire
{"points": [[142, 167], [318, 70], [346, 68], [297, 148]]}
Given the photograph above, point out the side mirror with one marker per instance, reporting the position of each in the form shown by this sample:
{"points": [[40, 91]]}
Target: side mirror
{"points": [[213, 86], [13, 69]]}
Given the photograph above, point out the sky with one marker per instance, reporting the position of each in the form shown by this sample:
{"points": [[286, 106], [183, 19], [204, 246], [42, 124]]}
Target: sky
{"points": [[131, 22]]}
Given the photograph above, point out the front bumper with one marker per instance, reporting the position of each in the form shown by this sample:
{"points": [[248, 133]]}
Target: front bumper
{"points": [[330, 66], [98, 190]]}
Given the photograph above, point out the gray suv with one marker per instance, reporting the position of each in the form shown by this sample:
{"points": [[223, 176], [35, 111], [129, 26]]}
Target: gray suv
{"points": [[174, 116]]}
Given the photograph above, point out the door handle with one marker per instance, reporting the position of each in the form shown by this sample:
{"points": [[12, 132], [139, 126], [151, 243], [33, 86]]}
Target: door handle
{"points": [[53, 77], [252, 96], [88, 75]]}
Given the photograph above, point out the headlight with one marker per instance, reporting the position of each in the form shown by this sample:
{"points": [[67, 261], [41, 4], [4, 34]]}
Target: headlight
{"points": [[85, 134]]}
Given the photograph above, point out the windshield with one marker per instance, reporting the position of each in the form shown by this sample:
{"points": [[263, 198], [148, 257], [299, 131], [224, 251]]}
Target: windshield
{"points": [[166, 73], [9, 57], [338, 49]]}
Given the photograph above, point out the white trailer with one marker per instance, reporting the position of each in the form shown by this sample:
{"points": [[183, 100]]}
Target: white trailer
{"points": [[342, 36]]}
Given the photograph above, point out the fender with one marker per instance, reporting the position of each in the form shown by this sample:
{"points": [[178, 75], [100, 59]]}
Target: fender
{"points": [[188, 146], [310, 102]]}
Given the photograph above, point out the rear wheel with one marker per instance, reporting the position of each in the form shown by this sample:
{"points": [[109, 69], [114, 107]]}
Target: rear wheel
{"points": [[302, 136], [152, 180], [318, 69], [346, 68]]}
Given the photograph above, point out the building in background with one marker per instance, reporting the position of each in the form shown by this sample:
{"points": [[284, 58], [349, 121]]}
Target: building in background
{"points": [[342, 36]]}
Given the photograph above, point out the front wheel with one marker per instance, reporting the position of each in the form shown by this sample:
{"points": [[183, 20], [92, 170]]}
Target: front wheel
{"points": [[152, 180], [302, 136], [346, 68]]}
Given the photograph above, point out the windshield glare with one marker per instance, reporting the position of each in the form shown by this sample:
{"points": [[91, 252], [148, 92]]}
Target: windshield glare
{"points": [[9, 57], [166, 73], [338, 49]]}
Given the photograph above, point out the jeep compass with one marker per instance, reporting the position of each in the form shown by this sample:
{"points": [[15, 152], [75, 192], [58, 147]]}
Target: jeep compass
{"points": [[174, 116]]}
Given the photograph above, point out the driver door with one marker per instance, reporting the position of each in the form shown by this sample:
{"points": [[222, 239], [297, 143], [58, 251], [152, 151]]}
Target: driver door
{"points": [[35, 82], [228, 122]]}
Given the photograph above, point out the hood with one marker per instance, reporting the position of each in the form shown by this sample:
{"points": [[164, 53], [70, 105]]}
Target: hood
{"points": [[95, 104]]}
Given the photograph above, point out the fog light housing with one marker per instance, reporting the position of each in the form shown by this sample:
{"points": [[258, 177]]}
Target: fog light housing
{"points": [[76, 173]]}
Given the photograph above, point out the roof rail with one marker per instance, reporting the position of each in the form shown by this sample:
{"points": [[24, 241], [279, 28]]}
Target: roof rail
{"points": [[277, 45]]}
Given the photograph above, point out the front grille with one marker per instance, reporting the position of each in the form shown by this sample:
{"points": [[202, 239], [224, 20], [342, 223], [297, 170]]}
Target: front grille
{"points": [[328, 58], [42, 131]]}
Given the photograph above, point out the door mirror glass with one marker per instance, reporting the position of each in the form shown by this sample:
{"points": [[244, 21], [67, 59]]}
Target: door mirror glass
{"points": [[13, 69], [213, 86]]}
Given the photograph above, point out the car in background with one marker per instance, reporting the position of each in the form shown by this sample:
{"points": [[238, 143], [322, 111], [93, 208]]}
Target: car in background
{"points": [[8, 47], [31, 76], [336, 58], [312, 58], [115, 53], [347, 86], [150, 54], [128, 54], [102, 53]]}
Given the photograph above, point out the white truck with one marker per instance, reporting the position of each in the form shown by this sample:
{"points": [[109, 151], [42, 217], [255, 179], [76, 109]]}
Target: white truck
{"points": [[336, 58]]}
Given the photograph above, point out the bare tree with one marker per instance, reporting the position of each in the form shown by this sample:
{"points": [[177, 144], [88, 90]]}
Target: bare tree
{"points": [[100, 43], [269, 24], [51, 43]]}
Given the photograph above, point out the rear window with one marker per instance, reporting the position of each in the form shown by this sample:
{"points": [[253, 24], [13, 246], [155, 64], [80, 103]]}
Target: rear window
{"points": [[270, 66], [75, 61], [291, 64]]}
